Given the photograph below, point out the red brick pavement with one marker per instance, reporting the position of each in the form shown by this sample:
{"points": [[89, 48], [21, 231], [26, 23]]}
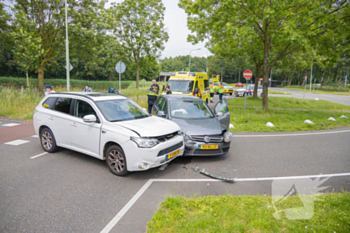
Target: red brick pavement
{"points": [[8, 134]]}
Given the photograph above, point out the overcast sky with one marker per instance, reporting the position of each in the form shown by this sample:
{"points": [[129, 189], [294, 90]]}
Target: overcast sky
{"points": [[175, 20]]}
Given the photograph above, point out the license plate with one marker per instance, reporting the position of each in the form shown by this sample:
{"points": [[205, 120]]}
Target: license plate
{"points": [[173, 154], [208, 147]]}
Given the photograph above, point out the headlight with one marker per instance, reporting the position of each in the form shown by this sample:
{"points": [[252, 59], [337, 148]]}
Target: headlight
{"points": [[228, 136], [145, 142], [188, 140]]}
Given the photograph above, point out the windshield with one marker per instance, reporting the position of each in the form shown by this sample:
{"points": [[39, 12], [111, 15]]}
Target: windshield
{"points": [[224, 84], [190, 109], [181, 85], [120, 110]]}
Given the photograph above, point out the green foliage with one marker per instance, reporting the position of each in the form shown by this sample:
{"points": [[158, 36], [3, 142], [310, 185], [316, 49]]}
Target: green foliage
{"points": [[139, 27], [229, 213]]}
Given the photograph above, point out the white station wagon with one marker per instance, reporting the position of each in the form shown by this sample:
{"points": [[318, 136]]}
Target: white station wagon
{"points": [[109, 127]]}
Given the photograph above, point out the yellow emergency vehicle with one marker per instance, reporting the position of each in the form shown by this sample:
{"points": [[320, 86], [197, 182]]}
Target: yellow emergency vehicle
{"points": [[189, 83], [227, 89]]}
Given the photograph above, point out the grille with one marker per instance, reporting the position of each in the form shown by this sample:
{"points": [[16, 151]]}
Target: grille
{"points": [[213, 138], [170, 149], [207, 152], [167, 137]]}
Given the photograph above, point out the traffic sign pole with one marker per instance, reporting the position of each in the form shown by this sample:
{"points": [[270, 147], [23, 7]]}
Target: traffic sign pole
{"points": [[247, 75], [305, 82], [120, 68], [346, 79]]}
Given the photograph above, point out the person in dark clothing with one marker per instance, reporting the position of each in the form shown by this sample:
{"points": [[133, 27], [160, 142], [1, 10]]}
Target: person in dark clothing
{"points": [[152, 96], [154, 84], [168, 91], [111, 90]]}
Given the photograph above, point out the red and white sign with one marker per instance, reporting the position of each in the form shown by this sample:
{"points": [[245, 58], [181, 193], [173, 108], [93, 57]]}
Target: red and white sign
{"points": [[247, 74]]}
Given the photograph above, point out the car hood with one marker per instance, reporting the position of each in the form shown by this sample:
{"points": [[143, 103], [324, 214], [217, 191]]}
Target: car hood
{"points": [[242, 89], [152, 126], [211, 126]]}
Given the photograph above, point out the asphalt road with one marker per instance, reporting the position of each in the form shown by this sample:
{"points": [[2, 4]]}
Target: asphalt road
{"points": [[71, 192]]}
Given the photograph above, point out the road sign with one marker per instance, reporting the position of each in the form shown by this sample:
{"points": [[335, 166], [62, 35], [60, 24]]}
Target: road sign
{"points": [[247, 74], [70, 67], [120, 67]]}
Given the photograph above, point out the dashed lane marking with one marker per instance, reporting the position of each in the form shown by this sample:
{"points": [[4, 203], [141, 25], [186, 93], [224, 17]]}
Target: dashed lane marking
{"points": [[35, 136], [36, 156], [16, 142], [10, 124]]}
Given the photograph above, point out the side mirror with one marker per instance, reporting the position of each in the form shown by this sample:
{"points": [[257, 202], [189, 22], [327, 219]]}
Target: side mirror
{"points": [[161, 114], [89, 118], [163, 88], [196, 91]]}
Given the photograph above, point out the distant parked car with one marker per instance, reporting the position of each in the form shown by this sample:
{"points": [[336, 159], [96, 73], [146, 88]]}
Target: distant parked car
{"points": [[239, 85], [206, 133], [251, 89]]}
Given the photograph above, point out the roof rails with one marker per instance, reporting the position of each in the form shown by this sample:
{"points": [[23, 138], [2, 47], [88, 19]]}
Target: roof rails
{"points": [[88, 95]]}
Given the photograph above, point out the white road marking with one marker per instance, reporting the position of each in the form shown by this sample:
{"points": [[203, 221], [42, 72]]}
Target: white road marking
{"points": [[132, 201], [36, 156], [288, 135], [10, 124], [35, 136], [16, 142]]}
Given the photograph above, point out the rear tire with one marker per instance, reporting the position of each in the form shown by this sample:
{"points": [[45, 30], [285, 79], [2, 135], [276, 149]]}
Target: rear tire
{"points": [[116, 161], [207, 101], [48, 141]]}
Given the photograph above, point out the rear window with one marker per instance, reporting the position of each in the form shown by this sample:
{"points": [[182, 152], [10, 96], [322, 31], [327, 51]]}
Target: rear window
{"points": [[49, 103], [63, 105]]}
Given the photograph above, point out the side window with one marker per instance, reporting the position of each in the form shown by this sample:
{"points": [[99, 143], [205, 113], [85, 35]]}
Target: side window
{"points": [[195, 85], [164, 107], [49, 103], [221, 107], [159, 101], [63, 105], [82, 109], [206, 83]]}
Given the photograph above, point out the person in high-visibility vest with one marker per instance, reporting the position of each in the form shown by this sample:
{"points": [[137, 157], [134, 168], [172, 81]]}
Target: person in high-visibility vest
{"points": [[152, 96], [212, 91], [221, 91]]}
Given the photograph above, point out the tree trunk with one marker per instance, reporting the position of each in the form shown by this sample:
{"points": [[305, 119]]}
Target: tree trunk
{"points": [[298, 77], [322, 80], [137, 74], [41, 78], [257, 75], [340, 82], [304, 77], [27, 78], [290, 80]]}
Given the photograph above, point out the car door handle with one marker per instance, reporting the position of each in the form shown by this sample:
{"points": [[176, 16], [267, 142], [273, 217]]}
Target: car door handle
{"points": [[74, 125]]}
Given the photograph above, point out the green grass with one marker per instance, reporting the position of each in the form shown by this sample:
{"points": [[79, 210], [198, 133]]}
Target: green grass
{"points": [[254, 120], [248, 214], [279, 92], [20, 105], [291, 103], [332, 90]]}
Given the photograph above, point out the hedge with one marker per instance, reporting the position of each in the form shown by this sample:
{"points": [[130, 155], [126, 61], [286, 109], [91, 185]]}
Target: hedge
{"points": [[73, 82]]}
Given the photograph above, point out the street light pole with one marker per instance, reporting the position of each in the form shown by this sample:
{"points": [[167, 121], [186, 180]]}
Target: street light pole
{"points": [[189, 63], [67, 48]]}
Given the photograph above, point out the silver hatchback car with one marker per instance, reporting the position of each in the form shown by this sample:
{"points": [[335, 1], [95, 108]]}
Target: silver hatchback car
{"points": [[206, 133]]}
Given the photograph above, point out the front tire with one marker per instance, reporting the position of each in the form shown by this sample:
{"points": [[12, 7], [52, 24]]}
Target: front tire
{"points": [[48, 141], [116, 161]]}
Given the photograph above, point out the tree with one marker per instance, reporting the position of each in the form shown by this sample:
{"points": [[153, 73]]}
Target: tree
{"points": [[27, 47], [46, 20], [283, 27], [140, 28]]}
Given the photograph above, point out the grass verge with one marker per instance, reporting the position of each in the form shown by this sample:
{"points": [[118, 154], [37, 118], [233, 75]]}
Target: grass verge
{"points": [[279, 92], [291, 103], [20, 104], [249, 214]]}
